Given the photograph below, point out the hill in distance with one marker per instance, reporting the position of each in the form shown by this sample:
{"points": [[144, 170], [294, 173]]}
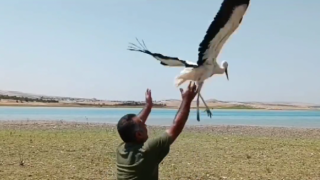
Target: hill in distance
{"points": [[213, 103]]}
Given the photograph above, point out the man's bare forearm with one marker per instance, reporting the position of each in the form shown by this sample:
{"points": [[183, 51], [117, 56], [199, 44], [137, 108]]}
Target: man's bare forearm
{"points": [[184, 107], [144, 113], [180, 119], [183, 114]]}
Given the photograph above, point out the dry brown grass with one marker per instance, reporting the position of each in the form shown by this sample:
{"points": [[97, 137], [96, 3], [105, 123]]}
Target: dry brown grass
{"points": [[58, 150]]}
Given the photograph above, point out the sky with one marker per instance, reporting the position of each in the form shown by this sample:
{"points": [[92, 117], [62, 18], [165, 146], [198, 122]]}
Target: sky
{"points": [[78, 48]]}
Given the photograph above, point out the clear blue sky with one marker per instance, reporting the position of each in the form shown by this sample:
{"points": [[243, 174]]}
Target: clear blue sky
{"points": [[79, 48]]}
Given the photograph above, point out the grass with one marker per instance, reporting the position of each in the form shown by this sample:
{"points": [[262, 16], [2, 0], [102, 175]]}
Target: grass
{"points": [[84, 151]]}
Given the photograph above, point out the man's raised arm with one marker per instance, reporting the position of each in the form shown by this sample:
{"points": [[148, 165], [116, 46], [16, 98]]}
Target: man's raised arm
{"points": [[161, 144], [183, 112], [144, 113]]}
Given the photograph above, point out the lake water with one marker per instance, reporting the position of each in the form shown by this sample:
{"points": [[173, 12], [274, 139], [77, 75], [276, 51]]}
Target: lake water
{"points": [[305, 119]]}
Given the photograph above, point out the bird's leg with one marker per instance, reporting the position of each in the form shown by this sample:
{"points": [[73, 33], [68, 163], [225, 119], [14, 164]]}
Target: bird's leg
{"points": [[207, 107], [198, 114], [200, 84]]}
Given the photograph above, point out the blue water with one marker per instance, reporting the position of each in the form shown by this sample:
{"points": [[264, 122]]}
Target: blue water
{"points": [[305, 119]]}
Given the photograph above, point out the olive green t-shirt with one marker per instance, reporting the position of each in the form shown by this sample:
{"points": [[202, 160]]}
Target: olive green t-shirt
{"points": [[141, 161]]}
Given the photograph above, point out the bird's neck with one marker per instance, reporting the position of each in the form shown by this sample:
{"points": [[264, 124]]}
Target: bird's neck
{"points": [[219, 70]]}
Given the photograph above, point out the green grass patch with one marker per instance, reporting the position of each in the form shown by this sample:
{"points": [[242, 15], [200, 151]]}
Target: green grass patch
{"points": [[80, 152]]}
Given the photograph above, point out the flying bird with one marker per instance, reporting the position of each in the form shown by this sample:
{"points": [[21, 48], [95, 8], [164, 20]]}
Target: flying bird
{"points": [[226, 21]]}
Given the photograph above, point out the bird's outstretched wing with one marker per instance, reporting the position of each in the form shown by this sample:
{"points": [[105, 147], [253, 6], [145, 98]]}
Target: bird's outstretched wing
{"points": [[164, 60], [226, 21]]}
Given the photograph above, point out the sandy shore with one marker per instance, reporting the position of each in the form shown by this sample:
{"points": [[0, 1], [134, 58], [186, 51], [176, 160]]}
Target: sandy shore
{"points": [[169, 105], [256, 131]]}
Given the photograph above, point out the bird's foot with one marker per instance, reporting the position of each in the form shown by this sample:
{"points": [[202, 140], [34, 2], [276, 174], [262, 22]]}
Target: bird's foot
{"points": [[209, 113]]}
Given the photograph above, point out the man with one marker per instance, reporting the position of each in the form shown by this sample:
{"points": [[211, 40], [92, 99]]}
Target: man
{"points": [[137, 157]]}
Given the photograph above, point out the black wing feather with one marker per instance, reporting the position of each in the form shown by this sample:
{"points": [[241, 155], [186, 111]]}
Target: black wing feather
{"points": [[164, 60], [219, 21]]}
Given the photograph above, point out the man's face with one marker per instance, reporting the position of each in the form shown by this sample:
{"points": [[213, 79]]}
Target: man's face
{"points": [[142, 134]]}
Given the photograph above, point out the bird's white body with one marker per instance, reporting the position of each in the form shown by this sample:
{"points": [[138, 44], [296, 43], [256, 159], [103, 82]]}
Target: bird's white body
{"points": [[199, 74]]}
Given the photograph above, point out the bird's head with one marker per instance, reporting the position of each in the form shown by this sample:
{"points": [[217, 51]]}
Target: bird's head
{"points": [[225, 67]]}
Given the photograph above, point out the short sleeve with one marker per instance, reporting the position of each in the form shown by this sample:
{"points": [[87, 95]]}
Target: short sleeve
{"points": [[160, 144]]}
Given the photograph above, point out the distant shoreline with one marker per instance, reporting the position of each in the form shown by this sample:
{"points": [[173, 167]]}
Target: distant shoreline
{"points": [[73, 105], [14, 100]]}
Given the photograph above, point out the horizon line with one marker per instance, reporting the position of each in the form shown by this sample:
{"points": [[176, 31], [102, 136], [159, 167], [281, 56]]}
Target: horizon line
{"points": [[24, 94]]}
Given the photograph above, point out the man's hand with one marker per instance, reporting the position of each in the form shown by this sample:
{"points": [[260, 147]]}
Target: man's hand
{"points": [[190, 93], [143, 115], [148, 98]]}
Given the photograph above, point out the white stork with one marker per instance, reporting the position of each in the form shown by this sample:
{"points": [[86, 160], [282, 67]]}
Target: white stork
{"points": [[226, 21]]}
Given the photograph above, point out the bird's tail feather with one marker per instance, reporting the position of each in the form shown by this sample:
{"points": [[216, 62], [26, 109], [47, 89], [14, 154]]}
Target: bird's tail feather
{"points": [[185, 75], [178, 82]]}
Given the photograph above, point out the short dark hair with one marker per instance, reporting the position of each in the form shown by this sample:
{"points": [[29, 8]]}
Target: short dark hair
{"points": [[127, 128]]}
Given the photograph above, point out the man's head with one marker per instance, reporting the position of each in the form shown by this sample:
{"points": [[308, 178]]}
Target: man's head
{"points": [[131, 129]]}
